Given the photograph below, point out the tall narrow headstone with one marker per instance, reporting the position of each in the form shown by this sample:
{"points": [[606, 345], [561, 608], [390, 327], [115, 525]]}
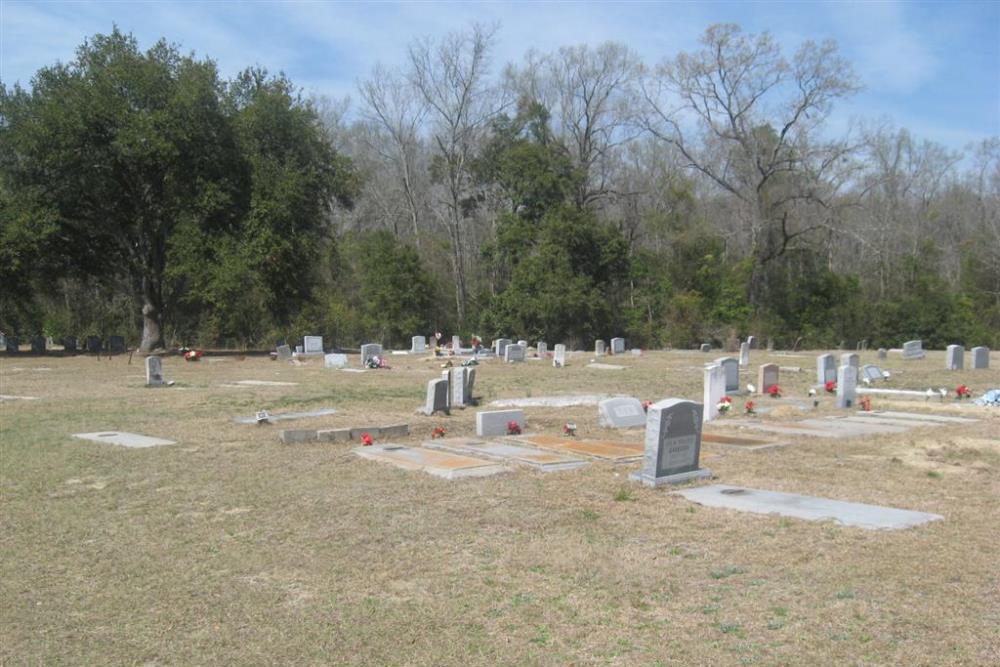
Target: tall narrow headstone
{"points": [[559, 355], [38, 344], [744, 354], [94, 344], [369, 350], [116, 344], [284, 353], [312, 345], [732, 370], [69, 345], [513, 352], [673, 443], [541, 349], [980, 357], [418, 345], [767, 376], [456, 343], [154, 372], [13, 345], [446, 376], [459, 387], [715, 389], [826, 369], [470, 383], [850, 359], [437, 397], [617, 346], [599, 348], [954, 358], [913, 349], [751, 341], [847, 386]]}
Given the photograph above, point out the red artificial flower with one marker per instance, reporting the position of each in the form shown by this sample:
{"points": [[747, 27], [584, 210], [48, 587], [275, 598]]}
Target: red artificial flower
{"points": [[646, 404], [866, 403], [569, 428], [726, 399], [831, 386], [774, 391], [366, 439], [962, 391], [748, 408], [192, 355], [513, 428], [438, 432]]}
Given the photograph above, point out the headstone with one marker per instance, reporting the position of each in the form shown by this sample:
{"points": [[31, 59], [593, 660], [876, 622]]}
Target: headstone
{"points": [[732, 370], [437, 397], [369, 350], [850, 359], [826, 369], [744, 355], [599, 348], [124, 439], [623, 412], [617, 346], [312, 345], [559, 355], [883, 353], [459, 387], [154, 372], [38, 344], [494, 422], [418, 345], [871, 372], [94, 344], [541, 349], [954, 358], [767, 375], [705, 347], [69, 345], [284, 353], [513, 352], [770, 345], [500, 345], [847, 386], [673, 443], [751, 341], [446, 376], [13, 345], [456, 343], [523, 343], [116, 344], [470, 381], [3, 341], [298, 349], [980, 357], [334, 360], [913, 349], [715, 389]]}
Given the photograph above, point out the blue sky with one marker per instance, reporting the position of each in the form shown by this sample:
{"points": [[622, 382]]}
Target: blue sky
{"points": [[932, 67]]}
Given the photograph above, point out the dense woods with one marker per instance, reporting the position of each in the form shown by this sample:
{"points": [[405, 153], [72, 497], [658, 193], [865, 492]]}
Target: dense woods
{"points": [[573, 195]]}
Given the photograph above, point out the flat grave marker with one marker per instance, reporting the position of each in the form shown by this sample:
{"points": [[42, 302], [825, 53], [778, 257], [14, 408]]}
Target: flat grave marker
{"points": [[124, 439], [507, 452], [605, 450], [622, 412], [446, 465]]}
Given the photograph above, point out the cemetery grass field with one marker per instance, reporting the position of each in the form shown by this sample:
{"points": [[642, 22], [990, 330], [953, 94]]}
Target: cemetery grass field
{"points": [[232, 548]]}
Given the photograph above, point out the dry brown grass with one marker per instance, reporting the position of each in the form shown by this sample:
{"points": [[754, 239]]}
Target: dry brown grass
{"points": [[230, 548]]}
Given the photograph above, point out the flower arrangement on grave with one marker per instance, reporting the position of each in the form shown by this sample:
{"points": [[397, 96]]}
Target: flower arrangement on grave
{"points": [[192, 355], [724, 405], [866, 403], [569, 429], [774, 391], [438, 432], [748, 408], [645, 405], [513, 428], [961, 391], [831, 387], [366, 440]]}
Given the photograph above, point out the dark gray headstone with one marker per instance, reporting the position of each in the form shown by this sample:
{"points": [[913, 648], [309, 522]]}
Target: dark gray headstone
{"points": [[116, 344], [94, 344], [69, 344], [705, 347], [673, 443], [732, 369], [513, 352], [13, 345], [38, 344]]}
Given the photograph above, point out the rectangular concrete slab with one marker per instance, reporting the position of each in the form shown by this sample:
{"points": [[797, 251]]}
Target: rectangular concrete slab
{"points": [[841, 426], [501, 451], [605, 450], [918, 416], [742, 442], [265, 383], [889, 421], [811, 508], [606, 367], [284, 416], [783, 428], [446, 465], [133, 440]]}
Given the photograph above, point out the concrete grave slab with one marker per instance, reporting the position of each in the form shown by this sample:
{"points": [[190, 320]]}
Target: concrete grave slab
{"points": [[446, 465], [810, 508], [5, 397], [133, 440], [501, 451], [888, 421], [624, 412], [605, 450], [550, 401], [919, 416], [606, 367], [840, 426], [741, 442], [265, 383], [285, 416]]}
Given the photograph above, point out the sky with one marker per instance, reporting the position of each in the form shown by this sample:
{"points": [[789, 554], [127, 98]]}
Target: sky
{"points": [[930, 67]]}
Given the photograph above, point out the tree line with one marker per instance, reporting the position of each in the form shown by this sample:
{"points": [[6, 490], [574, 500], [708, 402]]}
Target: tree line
{"points": [[573, 195]]}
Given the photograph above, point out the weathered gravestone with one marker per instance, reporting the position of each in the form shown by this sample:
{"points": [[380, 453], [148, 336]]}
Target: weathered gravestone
{"points": [[871, 372], [334, 360], [3, 341], [298, 350], [954, 358], [751, 341], [744, 354], [715, 389], [850, 359], [456, 343], [470, 382], [732, 370], [437, 397], [69, 345], [418, 345], [767, 376], [599, 348], [154, 372], [541, 349], [847, 386], [459, 387], [500, 346], [513, 352], [559, 355], [623, 412], [617, 346], [523, 343], [38, 344], [913, 349], [826, 369], [673, 443], [980, 357], [94, 344], [312, 345], [705, 347], [116, 344], [13, 345], [494, 422], [284, 353], [883, 353], [369, 350]]}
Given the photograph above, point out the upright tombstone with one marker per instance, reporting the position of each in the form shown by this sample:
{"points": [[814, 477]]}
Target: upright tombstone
{"points": [[284, 353], [622, 412], [883, 353], [38, 344], [116, 344], [495, 422], [437, 397], [470, 383], [744, 354], [456, 344], [913, 349], [3, 340], [94, 344], [459, 387], [767, 377], [13, 345], [847, 386], [513, 352], [500, 345], [980, 357], [673, 443], [523, 343], [369, 350], [541, 349], [599, 348], [154, 372], [871, 372], [69, 345], [559, 355], [446, 376], [850, 359], [954, 358], [617, 346], [312, 345], [418, 345], [826, 369], [751, 341], [715, 389], [334, 360], [705, 347], [732, 369]]}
